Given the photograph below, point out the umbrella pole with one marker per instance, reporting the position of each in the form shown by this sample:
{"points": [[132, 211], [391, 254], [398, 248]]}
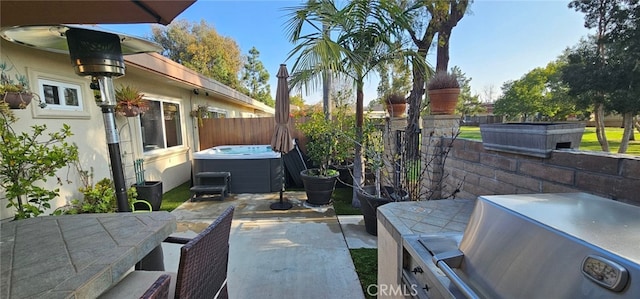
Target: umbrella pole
{"points": [[281, 205]]}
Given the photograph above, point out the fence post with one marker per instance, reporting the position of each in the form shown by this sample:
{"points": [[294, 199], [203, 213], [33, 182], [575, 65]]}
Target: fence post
{"points": [[391, 139], [435, 128]]}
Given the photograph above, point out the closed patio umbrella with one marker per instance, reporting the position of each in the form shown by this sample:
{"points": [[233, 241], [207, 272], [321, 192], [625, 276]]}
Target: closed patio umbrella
{"points": [[281, 140]]}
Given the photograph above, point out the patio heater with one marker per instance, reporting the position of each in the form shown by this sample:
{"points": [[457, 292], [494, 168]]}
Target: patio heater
{"points": [[98, 54]]}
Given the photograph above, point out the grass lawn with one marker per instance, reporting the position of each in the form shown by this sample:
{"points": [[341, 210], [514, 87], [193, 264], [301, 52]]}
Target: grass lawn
{"points": [[175, 197], [342, 202], [365, 260], [366, 263], [589, 139]]}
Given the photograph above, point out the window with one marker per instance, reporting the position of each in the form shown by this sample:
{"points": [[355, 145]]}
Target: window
{"points": [[60, 95], [215, 113], [161, 126]]}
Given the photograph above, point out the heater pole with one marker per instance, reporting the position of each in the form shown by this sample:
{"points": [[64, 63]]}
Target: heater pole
{"points": [[107, 94]]}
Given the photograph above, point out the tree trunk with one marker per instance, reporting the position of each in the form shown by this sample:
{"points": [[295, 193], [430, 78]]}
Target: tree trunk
{"points": [[326, 98], [600, 133], [358, 163], [326, 85], [627, 122], [444, 33], [412, 133]]}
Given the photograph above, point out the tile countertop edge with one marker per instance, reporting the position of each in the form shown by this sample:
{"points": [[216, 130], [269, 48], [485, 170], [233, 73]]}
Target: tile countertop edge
{"points": [[388, 214], [104, 277], [391, 222]]}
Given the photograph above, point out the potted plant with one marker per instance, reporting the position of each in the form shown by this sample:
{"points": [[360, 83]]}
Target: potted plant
{"points": [[384, 189], [130, 101], [397, 176], [319, 182], [150, 191], [15, 93], [343, 124], [394, 85], [396, 105], [443, 89]]}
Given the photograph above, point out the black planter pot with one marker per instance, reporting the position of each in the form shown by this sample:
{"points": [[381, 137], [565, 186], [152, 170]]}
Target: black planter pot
{"points": [[318, 189], [369, 205], [152, 192], [345, 179]]}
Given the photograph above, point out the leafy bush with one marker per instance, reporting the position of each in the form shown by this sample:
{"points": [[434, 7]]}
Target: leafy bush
{"points": [[99, 198], [27, 158]]}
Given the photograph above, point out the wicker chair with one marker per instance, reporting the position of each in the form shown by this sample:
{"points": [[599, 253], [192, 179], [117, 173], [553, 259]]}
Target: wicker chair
{"points": [[159, 289], [202, 272]]}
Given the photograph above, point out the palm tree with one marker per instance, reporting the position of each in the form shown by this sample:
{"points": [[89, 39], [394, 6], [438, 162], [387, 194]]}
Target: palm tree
{"points": [[365, 31]]}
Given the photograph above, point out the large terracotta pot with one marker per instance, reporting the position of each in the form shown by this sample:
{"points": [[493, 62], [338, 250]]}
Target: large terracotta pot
{"points": [[396, 105], [17, 100], [396, 110], [443, 101]]}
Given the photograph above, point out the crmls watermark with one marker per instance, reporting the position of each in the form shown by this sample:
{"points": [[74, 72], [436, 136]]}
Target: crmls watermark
{"points": [[392, 290]]}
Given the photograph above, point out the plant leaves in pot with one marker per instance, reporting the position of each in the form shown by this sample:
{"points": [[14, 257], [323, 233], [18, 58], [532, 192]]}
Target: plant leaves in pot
{"points": [[319, 182], [130, 101], [16, 94], [382, 191]]}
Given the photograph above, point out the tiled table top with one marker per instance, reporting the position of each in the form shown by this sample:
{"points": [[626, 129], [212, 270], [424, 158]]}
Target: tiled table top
{"points": [[75, 256], [424, 217]]}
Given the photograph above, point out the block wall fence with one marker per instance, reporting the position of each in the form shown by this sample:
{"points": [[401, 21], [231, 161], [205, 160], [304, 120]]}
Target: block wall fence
{"points": [[484, 172]]}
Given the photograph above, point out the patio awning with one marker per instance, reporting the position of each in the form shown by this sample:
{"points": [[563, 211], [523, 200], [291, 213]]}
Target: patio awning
{"points": [[16, 12]]}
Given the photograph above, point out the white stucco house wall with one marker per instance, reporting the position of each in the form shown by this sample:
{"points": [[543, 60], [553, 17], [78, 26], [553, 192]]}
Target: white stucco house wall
{"points": [[166, 147]]}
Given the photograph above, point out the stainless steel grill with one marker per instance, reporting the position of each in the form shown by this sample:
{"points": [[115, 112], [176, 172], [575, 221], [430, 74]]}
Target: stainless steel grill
{"points": [[571, 245]]}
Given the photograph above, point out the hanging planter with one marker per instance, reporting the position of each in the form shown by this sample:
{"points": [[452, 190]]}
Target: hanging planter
{"points": [[130, 102], [17, 100], [15, 94]]}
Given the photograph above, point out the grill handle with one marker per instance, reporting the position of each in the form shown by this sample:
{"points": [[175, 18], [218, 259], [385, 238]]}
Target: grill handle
{"points": [[455, 257]]}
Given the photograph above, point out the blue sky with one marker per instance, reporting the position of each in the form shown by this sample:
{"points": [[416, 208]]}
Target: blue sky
{"points": [[498, 41]]}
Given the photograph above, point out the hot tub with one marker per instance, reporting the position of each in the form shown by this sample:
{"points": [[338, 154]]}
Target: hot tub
{"points": [[253, 168]]}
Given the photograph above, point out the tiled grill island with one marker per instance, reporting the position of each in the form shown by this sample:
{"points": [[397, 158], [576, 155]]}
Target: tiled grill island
{"points": [[408, 218]]}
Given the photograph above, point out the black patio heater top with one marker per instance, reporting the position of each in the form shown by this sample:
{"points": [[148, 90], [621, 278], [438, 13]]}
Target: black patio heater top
{"points": [[97, 54]]}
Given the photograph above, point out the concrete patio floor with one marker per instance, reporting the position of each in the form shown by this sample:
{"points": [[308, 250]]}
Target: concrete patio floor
{"points": [[298, 253]]}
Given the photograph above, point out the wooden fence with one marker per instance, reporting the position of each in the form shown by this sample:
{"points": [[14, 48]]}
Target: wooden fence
{"points": [[240, 131]]}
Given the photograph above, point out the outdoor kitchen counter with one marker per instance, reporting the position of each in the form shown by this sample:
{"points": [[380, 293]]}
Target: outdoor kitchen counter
{"points": [[399, 219], [75, 256]]}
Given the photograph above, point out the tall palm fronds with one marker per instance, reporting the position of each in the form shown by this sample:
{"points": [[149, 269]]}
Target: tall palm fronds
{"points": [[360, 36]]}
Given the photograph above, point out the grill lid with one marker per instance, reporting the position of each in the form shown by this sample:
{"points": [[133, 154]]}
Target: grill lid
{"points": [[570, 245]]}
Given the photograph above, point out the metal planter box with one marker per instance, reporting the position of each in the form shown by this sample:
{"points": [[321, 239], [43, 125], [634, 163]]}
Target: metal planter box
{"points": [[532, 139]]}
